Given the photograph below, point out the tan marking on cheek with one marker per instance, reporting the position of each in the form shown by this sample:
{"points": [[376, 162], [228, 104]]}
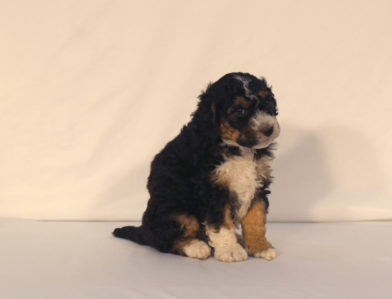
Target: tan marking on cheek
{"points": [[189, 225], [253, 228], [242, 102], [228, 132], [263, 93]]}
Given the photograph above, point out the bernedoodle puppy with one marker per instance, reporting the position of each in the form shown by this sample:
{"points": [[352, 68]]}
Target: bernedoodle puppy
{"points": [[214, 176]]}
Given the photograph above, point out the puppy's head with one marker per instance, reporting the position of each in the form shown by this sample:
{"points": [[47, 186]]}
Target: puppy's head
{"points": [[243, 109]]}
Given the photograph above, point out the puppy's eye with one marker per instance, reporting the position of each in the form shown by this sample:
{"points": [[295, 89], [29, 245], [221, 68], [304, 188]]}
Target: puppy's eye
{"points": [[240, 112]]}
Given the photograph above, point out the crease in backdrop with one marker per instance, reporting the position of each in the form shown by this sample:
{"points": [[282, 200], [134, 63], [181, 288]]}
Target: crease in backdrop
{"points": [[92, 90]]}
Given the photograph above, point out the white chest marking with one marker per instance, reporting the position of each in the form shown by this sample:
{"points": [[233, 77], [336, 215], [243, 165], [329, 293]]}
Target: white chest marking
{"points": [[243, 176]]}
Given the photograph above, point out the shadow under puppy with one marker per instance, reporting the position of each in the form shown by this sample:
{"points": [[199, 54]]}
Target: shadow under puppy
{"points": [[213, 176]]}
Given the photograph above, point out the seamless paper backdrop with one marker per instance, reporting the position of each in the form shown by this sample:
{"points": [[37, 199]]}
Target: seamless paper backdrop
{"points": [[90, 91]]}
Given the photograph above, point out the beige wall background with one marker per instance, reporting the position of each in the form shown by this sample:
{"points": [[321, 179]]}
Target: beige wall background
{"points": [[92, 90]]}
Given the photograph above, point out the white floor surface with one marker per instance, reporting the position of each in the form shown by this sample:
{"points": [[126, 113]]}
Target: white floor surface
{"points": [[83, 260]]}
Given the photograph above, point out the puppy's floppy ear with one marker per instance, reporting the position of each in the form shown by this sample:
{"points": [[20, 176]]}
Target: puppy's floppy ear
{"points": [[206, 117], [213, 108]]}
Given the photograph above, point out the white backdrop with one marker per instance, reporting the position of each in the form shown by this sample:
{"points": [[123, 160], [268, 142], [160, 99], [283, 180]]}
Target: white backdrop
{"points": [[90, 91]]}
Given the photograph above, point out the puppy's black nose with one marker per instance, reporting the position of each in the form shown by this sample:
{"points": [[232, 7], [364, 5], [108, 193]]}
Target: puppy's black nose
{"points": [[268, 132]]}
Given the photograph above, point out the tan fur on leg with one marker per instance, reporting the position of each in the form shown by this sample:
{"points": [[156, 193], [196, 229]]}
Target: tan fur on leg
{"points": [[188, 244], [189, 225], [253, 230]]}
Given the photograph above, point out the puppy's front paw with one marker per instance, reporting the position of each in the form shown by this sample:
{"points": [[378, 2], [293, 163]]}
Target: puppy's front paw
{"points": [[267, 254], [232, 253]]}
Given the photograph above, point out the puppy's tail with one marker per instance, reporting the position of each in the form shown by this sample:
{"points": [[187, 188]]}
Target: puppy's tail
{"points": [[136, 234]]}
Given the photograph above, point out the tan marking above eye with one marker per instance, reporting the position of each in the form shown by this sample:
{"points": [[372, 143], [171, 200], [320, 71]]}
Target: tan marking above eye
{"points": [[242, 102]]}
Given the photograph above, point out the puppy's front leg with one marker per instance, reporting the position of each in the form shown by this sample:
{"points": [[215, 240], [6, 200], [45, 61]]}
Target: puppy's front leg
{"points": [[253, 230], [224, 240]]}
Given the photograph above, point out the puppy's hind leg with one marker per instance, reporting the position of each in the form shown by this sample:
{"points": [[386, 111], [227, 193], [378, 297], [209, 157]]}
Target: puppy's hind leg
{"points": [[192, 247], [189, 245]]}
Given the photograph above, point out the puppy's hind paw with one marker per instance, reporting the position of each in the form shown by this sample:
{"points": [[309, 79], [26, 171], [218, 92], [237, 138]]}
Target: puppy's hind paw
{"points": [[197, 249]]}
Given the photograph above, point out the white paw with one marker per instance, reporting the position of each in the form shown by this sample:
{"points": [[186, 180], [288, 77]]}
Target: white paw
{"points": [[268, 254], [232, 253], [197, 249]]}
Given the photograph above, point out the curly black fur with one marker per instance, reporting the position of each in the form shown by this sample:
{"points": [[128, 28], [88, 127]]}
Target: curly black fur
{"points": [[180, 178]]}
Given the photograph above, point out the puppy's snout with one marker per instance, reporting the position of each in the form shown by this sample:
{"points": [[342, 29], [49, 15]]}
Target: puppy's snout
{"points": [[268, 131]]}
